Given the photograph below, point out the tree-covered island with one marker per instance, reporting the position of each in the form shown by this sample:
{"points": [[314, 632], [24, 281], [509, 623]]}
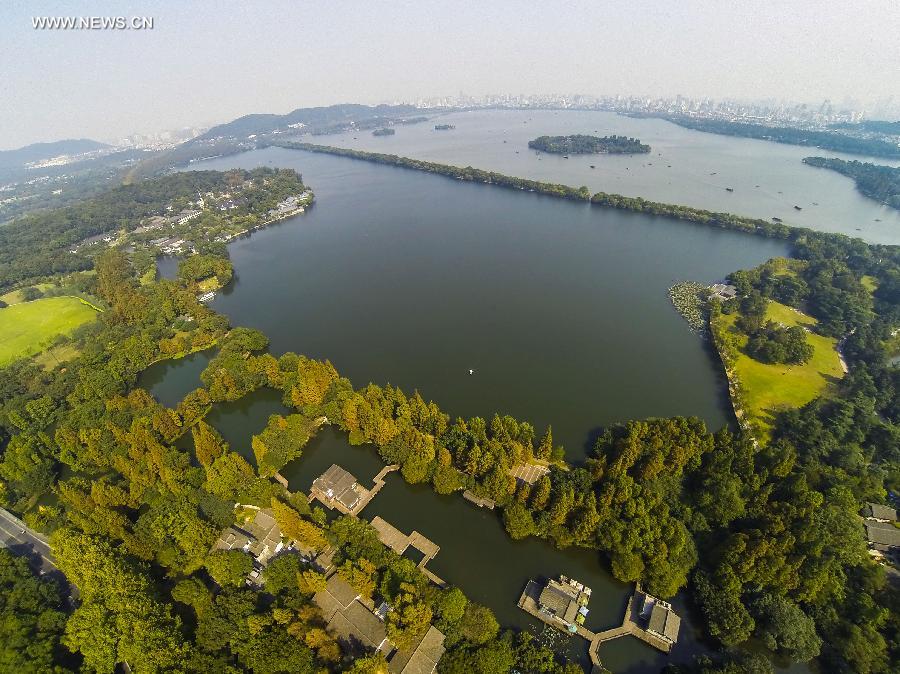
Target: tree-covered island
{"points": [[383, 132], [581, 144]]}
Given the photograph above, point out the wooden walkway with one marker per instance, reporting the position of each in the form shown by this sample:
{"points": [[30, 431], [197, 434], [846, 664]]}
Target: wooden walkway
{"points": [[378, 485], [397, 541], [629, 626], [378, 481], [479, 501], [528, 602]]}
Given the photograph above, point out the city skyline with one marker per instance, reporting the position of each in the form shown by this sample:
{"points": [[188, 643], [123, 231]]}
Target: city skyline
{"points": [[814, 113]]}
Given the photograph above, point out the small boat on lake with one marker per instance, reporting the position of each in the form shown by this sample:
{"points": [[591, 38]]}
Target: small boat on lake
{"points": [[592, 166], [797, 208], [729, 189]]}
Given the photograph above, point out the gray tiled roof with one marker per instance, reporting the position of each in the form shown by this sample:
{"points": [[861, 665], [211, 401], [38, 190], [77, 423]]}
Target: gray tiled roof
{"points": [[357, 623], [423, 658], [337, 483], [337, 595], [882, 512], [664, 621], [232, 539], [883, 533], [555, 598]]}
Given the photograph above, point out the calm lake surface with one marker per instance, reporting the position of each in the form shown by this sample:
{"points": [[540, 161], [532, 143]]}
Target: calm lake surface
{"points": [[684, 167], [561, 309]]}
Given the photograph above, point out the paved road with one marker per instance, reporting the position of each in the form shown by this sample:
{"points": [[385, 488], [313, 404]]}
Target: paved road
{"points": [[14, 534]]}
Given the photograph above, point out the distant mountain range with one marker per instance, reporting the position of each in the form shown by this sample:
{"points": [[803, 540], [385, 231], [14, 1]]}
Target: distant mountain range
{"points": [[41, 151], [253, 131]]}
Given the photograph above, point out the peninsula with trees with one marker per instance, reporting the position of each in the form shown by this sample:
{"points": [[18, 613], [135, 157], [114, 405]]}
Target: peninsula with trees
{"points": [[878, 182], [827, 140], [581, 144]]}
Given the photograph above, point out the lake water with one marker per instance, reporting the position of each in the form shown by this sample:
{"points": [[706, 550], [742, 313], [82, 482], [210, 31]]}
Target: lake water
{"points": [[684, 167], [560, 308]]}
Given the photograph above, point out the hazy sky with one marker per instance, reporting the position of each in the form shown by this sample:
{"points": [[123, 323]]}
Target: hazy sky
{"points": [[209, 62]]}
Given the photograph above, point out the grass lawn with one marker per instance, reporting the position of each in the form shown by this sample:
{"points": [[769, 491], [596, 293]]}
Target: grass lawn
{"points": [[209, 284], [149, 276], [772, 387], [56, 356], [782, 266], [15, 296], [25, 329]]}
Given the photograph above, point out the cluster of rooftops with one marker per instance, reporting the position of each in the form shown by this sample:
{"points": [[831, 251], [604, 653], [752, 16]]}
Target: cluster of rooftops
{"points": [[563, 604], [566, 600], [357, 623], [360, 625], [723, 291]]}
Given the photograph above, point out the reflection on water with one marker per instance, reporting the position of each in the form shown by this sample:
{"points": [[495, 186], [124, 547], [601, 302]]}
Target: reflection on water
{"points": [[561, 309]]}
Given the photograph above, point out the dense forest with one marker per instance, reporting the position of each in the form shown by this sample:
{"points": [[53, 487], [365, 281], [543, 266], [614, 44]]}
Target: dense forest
{"points": [[580, 144], [828, 140], [881, 183], [765, 538]]}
